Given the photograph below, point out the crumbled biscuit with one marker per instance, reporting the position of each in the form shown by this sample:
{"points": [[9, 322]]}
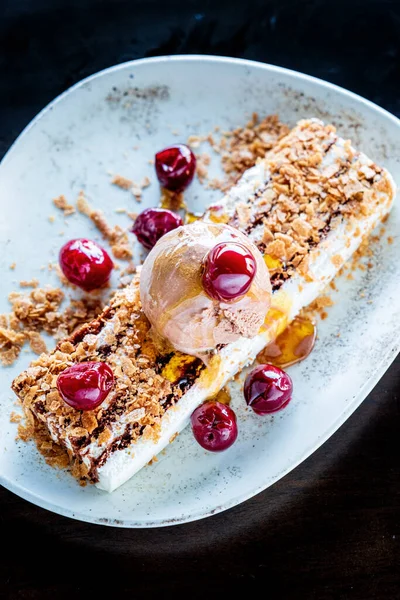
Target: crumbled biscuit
{"points": [[244, 145], [122, 182], [137, 192], [202, 162], [40, 311], [36, 342], [31, 283], [145, 182], [62, 204], [15, 417], [116, 236], [129, 184], [317, 308]]}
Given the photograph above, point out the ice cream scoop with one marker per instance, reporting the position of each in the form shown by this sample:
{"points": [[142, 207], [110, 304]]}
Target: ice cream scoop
{"points": [[175, 287]]}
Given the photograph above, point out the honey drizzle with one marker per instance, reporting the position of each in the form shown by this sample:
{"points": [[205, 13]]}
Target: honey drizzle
{"points": [[192, 217], [223, 396], [177, 366], [218, 218], [292, 345], [172, 200], [272, 263]]}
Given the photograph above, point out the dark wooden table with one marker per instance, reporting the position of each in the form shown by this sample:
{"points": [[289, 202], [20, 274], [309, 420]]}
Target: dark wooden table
{"points": [[328, 530]]}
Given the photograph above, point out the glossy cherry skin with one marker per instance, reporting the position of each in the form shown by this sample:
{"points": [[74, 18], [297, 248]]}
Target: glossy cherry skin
{"points": [[175, 167], [153, 223], [267, 389], [229, 269], [214, 426], [85, 263], [85, 385]]}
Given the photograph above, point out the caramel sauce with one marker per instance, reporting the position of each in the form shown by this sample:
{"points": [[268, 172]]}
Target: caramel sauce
{"points": [[177, 367], [276, 319], [212, 377], [272, 263], [223, 396], [192, 217], [222, 218], [172, 200], [292, 345]]}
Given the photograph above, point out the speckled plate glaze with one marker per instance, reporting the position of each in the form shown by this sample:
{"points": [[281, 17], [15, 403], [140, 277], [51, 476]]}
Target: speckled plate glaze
{"points": [[114, 122]]}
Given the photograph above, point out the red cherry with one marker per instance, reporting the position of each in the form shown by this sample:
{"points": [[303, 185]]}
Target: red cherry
{"points": [[153, 223], [85, 263], [214, 426], [85, 385], [175, 167], [229, 269], [267, 389]]}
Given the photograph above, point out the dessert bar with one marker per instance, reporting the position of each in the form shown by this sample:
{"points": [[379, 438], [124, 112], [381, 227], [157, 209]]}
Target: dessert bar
{"points": [[306, 206]]}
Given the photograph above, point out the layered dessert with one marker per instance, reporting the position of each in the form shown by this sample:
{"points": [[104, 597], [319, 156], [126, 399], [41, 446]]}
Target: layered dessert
{"points": [[174, 336]]}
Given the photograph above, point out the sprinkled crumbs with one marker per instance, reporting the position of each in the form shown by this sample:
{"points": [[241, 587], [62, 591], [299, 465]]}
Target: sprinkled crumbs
{"points": [[64, 206]]}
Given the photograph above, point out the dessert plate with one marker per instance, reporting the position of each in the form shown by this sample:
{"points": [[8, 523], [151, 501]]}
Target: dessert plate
{"points": [[114, 122]]}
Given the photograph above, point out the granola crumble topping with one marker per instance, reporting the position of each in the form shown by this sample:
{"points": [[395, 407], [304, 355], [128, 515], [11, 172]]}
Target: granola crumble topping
{"points": [[312, 181], [144, 387], [38, 311], [244, 145], [239, 149], [116, 236]]}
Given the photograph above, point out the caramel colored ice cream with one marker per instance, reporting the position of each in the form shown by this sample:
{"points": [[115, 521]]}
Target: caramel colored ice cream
{"points": [[175, 302]]}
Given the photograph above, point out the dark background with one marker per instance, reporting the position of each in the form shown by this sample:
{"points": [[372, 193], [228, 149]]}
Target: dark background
{"points": [[328, 530]]}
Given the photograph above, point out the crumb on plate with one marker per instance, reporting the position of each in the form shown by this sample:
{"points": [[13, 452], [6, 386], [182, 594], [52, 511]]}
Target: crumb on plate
{"points": [[62, 203], [116, 236]]}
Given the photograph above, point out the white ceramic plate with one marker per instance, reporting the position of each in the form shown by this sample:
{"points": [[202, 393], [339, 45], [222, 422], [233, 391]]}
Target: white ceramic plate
{"points": [[93, 128]]}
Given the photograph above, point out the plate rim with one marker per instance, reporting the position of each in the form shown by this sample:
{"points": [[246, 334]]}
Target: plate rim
{"points": [[386, 359]]}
